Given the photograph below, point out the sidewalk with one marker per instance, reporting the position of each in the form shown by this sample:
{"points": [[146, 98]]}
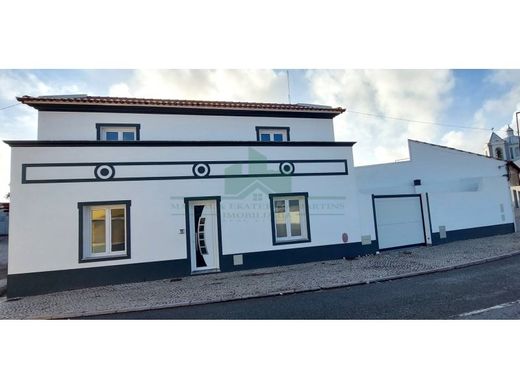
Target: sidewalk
{"points": [[263, 282], [3, 263]]}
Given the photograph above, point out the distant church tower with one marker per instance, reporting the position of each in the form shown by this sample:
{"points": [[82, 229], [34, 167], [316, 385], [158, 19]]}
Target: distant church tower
{"points": [[507, 148]]}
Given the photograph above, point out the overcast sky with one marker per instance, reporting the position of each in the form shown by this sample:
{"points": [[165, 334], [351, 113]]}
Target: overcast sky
{"points": [[473, 98]]}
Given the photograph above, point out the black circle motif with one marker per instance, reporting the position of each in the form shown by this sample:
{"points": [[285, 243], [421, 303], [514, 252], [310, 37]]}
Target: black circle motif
{"points": [[286, 168], [201, 169], [104, 171]]}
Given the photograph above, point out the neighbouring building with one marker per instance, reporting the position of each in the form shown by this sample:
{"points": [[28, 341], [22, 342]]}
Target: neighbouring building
{"points": [[513, 171], [507, 148], [124, 189]]}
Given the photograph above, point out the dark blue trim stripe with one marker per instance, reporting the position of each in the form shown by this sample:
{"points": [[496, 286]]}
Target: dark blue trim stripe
{"points": [[476, 232], [81, 143], [51, 281], [114, 164]]}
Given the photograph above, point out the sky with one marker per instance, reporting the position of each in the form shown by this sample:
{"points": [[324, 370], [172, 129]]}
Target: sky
{"points": [[481, 99]]}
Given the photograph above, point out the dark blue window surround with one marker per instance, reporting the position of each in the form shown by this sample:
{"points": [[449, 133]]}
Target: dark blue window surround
{"points": [[272, 134], [109, 131]]}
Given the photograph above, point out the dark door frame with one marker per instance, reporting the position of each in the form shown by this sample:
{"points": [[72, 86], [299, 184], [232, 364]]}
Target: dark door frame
{"points": [[219, 225]]}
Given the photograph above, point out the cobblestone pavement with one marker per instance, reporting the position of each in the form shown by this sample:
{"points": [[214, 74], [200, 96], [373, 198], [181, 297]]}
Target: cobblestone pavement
{"points": [[262, 282], [3, 258]]}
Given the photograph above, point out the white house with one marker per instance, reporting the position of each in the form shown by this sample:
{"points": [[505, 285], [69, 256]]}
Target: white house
{"points": [[122, 189]]}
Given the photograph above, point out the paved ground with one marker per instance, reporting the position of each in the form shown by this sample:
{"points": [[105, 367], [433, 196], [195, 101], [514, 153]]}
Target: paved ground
{"points": [[268, 281], [3, 261], [440, 295]]}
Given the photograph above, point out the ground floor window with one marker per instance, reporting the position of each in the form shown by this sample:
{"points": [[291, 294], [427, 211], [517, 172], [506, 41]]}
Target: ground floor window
{"points": [[290, 218], [104, 230], [515, 196]]}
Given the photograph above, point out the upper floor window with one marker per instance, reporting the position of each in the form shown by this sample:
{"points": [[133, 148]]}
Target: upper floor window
{"points": [[272, 134], [117, 131]]}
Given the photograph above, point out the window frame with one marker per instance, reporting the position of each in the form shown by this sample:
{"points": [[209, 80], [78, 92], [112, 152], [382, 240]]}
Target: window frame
{"points": [[100, 128], [84, 233], [258, 129], [306, 228]]}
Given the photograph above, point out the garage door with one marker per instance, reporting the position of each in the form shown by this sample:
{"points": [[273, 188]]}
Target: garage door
{"points": [[399, 220]]}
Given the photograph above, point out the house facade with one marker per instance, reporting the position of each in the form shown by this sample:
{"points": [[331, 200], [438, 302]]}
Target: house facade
{"points": [[119, 190]]}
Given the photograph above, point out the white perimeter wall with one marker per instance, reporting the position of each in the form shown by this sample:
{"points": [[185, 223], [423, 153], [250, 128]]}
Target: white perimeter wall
{"points": [[82, 126], [464, 190], [44, 217]]}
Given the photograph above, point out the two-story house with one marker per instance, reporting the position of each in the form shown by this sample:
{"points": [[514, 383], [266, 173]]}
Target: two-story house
{"points": [[122, 189], [119, 190]]}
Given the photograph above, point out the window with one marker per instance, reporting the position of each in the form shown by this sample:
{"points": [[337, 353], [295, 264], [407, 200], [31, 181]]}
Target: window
{"points": [[104, 230], [117, 131], [272, 134], [515, 196], [290, 218], [499, 153]]}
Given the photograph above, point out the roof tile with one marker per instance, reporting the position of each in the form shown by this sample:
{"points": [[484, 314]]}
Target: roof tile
{"points": [[127, 101]]}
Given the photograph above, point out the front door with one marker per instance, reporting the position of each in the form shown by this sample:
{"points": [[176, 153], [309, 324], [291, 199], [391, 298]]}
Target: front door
{"points": [[204, 245]]}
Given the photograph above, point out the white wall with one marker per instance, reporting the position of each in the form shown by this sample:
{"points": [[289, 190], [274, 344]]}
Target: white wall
{"points": [[464, 190], [44, 217], [82, 126]]}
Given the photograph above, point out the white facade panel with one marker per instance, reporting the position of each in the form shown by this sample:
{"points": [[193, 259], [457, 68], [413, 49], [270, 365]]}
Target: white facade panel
{"points": [[173, 127], [45, 225]]}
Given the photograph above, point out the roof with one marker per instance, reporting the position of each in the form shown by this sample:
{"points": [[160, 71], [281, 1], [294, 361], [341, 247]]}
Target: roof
{"points": [[175, 106], [494, 136], [514, 164], [456, 150]]}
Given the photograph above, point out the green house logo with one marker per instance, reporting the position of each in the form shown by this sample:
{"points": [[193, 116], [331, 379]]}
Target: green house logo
{"points": [[242, 187]]}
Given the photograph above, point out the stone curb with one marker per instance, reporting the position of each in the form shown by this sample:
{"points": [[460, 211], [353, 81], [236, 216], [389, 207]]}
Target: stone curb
{"points": [[277, 293]]}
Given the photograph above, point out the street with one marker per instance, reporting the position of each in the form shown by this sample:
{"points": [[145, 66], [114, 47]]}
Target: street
{"points": [[441, 295]]}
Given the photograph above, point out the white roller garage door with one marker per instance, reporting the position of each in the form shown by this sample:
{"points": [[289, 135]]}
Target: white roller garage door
{"points": [[399, 221]]}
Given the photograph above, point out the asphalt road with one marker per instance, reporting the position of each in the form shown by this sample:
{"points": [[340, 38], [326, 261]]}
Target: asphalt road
{"points": [[435, 296]]}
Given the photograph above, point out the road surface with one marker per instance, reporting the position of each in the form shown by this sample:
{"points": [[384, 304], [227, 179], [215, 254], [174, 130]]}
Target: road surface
{"points": [[440, 295]]}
